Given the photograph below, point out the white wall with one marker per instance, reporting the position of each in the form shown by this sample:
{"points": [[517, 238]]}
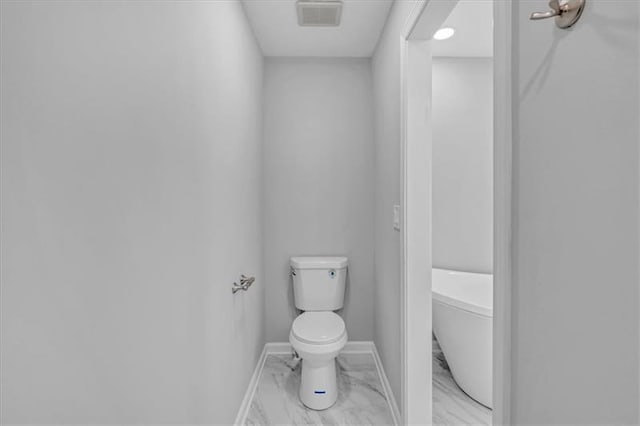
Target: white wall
{"points": [[463, 164], [386, 87], [131, 147], [576, 180], [318, 181]]}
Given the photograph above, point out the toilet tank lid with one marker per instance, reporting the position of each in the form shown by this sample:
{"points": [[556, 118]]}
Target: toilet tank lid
{"points": [[319, 262]]}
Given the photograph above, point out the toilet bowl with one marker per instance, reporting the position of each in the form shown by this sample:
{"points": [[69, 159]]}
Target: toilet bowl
{"points": [[318, 334], [318, 338]]}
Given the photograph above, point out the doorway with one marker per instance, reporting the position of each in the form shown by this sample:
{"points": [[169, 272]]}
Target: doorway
{"points": [[417, 192], [462, 216]]}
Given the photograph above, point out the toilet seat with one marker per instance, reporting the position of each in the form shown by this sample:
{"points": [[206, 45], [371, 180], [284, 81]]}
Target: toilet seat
{"points": [[318, 328]]}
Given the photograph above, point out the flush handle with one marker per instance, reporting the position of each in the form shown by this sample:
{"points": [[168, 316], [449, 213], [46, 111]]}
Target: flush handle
{"points": [[566, 12]]}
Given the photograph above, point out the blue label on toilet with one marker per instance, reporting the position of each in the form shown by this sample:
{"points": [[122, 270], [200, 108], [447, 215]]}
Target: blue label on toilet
{"points": [[319, 392]]}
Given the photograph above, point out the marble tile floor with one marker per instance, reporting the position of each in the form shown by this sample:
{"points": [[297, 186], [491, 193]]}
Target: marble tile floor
{"points": [[362, 399], [451, 406]]}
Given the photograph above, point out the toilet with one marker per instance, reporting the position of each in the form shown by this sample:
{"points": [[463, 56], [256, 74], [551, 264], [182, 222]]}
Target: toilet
{"points": [[318, 334]]}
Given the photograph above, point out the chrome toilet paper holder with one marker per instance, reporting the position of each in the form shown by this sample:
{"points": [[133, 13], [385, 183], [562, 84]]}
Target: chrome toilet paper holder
{"points": [[245, 283]]}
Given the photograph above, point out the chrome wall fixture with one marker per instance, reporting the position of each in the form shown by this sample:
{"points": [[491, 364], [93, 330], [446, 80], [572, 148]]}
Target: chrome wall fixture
{"points": [[245, 283], [566, 12]]}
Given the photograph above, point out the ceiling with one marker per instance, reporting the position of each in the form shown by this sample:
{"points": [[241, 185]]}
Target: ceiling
{"points": [[473, 22], [275, 24]]}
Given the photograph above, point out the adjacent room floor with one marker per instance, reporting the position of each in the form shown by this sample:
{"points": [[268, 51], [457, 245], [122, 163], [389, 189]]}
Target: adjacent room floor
{"points": [[451, 406], [362, 399]]}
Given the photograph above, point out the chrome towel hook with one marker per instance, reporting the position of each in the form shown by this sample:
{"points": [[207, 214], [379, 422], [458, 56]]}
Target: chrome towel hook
{"points": [[566, 12]]}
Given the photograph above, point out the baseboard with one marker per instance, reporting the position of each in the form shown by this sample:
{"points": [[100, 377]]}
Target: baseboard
{"points": [[393, 405], [350, 347], [278, 348], [251, 389], [358, 347]]}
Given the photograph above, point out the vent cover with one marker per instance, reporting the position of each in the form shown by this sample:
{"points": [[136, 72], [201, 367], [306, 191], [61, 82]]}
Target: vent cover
{"points": [[319, 13]]}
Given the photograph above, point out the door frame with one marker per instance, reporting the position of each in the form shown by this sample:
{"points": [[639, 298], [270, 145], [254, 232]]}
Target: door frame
{"points": [[416, 393]]}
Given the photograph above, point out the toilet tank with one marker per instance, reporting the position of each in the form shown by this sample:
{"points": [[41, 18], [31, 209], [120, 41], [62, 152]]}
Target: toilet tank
{"points": [[319, 282]]}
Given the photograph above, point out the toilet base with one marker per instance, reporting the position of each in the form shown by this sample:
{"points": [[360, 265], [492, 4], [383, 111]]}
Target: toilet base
{"points": [[318, 385]]}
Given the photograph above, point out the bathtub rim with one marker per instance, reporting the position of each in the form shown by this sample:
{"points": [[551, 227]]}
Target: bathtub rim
{"points": [[473, 308]]}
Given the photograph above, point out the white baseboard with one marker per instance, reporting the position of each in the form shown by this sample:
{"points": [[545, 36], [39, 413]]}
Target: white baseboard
{"points": [[350, 347], [358, 347], [393, 405], [279, 348], [241, 418]]}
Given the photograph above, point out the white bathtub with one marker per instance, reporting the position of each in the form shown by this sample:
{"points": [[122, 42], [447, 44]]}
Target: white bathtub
{"points": [[463, 325]]}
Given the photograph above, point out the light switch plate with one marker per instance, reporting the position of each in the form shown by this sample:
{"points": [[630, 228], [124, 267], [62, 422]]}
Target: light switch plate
{"points": [[396, 217]]}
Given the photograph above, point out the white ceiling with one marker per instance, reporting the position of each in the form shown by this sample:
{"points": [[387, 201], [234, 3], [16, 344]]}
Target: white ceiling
{"points": [[473, 22], [275, 24]]}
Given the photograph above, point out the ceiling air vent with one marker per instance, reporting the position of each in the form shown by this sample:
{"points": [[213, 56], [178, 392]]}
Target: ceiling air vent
{"points": [[319, 13]]}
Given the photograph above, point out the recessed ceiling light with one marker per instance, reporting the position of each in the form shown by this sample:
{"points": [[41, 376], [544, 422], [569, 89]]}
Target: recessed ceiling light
{"points": [[444, 33]]}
